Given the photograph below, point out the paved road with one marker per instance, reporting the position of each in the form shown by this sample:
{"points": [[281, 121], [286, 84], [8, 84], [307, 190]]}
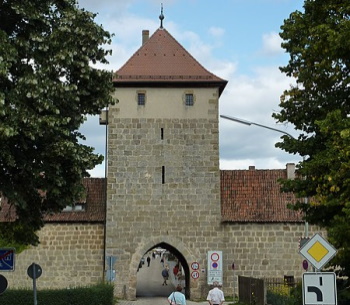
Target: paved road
{"points": [[149, 289], [149, 280]]}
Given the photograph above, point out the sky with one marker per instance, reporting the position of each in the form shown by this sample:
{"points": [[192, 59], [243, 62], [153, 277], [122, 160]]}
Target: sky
{"points": [[238, 40]]}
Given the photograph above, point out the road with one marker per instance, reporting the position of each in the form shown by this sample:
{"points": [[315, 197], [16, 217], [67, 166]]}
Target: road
{"points": [[149, 289], [149, 280]]}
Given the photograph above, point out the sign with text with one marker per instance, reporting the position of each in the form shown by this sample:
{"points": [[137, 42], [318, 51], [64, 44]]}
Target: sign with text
{"points": [[7, 259], [214, 267]]}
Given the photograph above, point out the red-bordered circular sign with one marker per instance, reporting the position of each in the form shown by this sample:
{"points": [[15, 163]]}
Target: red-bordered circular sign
{"points": [[195, 266], [215, 257], [195, 275]]}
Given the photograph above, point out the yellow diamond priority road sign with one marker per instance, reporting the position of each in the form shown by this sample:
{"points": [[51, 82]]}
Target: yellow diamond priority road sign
{"points": [[318, 251]]}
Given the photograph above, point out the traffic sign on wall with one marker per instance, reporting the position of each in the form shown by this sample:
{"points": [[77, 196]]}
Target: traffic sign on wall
{"points": [[214, 267], [7, 259]]}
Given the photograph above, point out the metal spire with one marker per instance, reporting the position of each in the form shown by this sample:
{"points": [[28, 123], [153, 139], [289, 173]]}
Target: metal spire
{"points": [[161, 16]]}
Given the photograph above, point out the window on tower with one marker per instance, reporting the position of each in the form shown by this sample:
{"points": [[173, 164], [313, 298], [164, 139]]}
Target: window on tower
{"points": [[141, 99], [189, 99]]}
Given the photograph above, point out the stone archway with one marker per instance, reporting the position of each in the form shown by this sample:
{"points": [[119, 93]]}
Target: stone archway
{"points": [[175, 247]]}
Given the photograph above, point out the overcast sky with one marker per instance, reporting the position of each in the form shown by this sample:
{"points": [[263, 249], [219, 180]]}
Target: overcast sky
{"points": [[235, 39]]}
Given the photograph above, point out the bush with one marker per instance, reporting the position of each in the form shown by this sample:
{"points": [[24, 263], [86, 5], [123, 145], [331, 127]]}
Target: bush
{"points": [[343, 291], [101, 294], [285, 295], [274, 298]]}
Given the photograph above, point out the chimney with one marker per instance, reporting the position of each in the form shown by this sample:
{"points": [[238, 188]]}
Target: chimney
{"points": [[145, 36], [290, 171]]}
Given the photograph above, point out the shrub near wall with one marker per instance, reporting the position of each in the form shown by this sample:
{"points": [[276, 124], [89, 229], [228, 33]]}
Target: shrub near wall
{"points": [[101, 294]]}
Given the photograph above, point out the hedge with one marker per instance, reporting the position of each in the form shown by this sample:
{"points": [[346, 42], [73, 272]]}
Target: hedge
{"points": [[101, 294]]}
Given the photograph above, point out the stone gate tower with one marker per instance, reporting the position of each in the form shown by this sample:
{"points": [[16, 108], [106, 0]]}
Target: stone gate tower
{"points": [[163, 161]]}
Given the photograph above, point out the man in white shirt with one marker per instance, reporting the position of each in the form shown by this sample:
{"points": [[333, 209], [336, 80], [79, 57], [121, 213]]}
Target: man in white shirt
{"points": [[215, 296]]}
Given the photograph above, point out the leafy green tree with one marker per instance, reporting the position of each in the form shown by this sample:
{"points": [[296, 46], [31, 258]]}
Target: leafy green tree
{"points": [[318, 105], [47, 87]]}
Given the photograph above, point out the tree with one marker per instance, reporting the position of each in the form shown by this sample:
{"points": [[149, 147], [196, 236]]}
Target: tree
{"points": [[47, 87], [318, 105]]}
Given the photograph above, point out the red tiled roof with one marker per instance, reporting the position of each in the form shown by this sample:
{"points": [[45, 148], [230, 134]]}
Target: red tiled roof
{"points": [[246, 196], [94, 204], [7, 213], [255, 196], [162, 59]]}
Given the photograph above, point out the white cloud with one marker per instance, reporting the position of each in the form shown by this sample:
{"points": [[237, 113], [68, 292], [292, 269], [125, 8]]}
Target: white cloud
{"points": [[272, 44], [216, 31]]}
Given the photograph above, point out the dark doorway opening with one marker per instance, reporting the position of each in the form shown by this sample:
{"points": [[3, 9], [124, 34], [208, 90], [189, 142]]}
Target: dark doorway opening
{"points": [[149, 277]]}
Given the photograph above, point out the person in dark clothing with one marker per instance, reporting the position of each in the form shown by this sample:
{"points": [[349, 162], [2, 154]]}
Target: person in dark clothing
{"points": [[165, 275], [148, 261]]}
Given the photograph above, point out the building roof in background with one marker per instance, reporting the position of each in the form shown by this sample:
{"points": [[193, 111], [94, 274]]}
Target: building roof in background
{"points": [[254, 196], [161, 59], [93, 206], [250, 196]]}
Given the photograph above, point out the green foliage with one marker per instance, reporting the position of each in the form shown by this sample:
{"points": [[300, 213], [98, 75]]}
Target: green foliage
{"points": [[47, 87], [285, 295], [343, 292], [101, 294], [318, 105], [274, 298], [18, 247]]}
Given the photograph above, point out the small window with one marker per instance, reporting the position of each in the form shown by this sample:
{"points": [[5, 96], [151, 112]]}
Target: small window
{"points": [[141, 99], [189, 99], [78, 207]]}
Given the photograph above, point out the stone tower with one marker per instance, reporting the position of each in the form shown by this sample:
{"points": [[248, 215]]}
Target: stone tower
{"points": [[163, 161]]}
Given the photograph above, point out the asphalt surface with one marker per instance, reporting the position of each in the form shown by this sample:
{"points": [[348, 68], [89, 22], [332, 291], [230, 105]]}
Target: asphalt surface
{"points": [[149, 289]]}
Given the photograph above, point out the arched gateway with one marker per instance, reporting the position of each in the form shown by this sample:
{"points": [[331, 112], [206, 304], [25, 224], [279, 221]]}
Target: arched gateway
{"points": [[163, 182], [166, 244]]}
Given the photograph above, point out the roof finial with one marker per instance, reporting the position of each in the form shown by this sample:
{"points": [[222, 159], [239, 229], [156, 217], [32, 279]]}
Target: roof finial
{"points": [[161, 16]]}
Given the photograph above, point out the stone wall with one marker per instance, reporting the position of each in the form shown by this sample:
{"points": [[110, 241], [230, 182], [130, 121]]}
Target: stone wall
{"points": [[70, 255], [163, 178], [269, 250]]}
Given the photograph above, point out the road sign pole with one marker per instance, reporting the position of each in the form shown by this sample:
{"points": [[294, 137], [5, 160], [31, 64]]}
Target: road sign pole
{"points": [[34, 284], [34, 271]]}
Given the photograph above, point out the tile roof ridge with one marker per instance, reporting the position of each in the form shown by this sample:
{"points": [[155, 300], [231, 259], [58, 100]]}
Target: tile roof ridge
{"points": [[171, 36], [151, 39]]}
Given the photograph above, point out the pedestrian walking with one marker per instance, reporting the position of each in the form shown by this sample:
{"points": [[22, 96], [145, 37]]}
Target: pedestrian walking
{"points": [[176, 270], [177, 297], [165, 275], [148, 261], [215, 295]]}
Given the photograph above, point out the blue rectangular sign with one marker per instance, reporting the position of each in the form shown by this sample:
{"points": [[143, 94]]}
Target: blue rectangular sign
{"points": [[7, 259]]}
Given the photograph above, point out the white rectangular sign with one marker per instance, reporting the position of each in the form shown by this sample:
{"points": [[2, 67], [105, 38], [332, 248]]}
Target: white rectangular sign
{"points": [[319, 288], [214, 267]]}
